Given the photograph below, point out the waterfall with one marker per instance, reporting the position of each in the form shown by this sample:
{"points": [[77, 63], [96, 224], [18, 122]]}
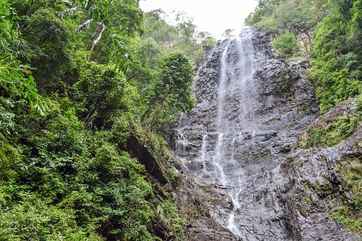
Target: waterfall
{"points": [[236, 82], [237, 142], [221, 142], [216, 161]]}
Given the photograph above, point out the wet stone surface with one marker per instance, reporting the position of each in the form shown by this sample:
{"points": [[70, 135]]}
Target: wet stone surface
{"points": [[237, 142]]}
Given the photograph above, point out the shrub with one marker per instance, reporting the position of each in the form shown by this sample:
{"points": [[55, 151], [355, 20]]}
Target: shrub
{"points": [[33, 219], [332, 133], [349, 214], [48, 38], [100, 92], [169, 215], [172, 94], [286, 44], [336, 55]]}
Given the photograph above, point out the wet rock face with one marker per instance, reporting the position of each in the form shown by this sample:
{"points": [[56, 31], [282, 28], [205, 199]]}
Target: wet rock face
{"points": [[319, 183], [319, 190], [236, 145]]}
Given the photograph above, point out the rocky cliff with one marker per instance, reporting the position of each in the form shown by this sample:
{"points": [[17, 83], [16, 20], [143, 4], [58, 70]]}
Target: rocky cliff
{"points": [[246, 174]]}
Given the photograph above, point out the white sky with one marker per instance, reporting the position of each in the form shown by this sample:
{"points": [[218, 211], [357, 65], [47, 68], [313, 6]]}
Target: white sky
{"points": [[214, 16]]}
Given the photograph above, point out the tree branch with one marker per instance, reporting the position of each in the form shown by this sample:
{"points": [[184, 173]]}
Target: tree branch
{"points": [[84, 25], [98, 34]]}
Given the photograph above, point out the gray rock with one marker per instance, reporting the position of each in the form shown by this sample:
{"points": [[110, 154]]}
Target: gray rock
{"points": [[259, 159]]}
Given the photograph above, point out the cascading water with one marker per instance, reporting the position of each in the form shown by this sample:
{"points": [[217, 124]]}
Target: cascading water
{"points": [[219, 144], [236, 146], [236, 82]]}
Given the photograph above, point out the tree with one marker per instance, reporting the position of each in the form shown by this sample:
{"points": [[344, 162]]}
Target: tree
{"points": [[100, 91], [172, 94], [286, 44], [48, 38], [298, 17], [65, 168], [183, 37], [337, 56]]}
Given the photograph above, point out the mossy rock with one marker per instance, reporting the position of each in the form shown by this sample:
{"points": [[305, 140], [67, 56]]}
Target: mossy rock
{"points": [[330, 134], [333, 127], [350, 213]]}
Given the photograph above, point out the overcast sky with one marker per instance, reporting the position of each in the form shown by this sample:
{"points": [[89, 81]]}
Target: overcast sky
{"points": [[214, 16]]}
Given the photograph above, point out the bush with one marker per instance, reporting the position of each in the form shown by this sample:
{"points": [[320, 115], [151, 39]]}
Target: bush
{"points": [[332, 133], [168, 213], [33, 219], [286, 44], [172, 94], [48, 38], [100, 92], [336, 62]]}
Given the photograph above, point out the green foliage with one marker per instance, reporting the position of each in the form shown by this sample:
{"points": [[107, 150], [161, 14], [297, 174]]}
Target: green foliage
{"points": [[125, 193], [161, 38], [32, 219], [286, 44], [90, 186], [293, 16], [7, 31], [100, 90], [330, 134], [10, 159], [298, 17], [175, 82], [344, 216], [349, 215], [330, 33], [264, 10], [336, 64], [69, 98], [47, 37], [168, 214], [172, 94], [123, 14]]}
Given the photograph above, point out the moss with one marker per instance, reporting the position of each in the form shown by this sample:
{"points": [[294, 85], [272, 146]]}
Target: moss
{"points": [[345, 217], [324, 189], [350, 213], [330, 134], [173, 176], [169, 216], [307, 200], [359, 104]]}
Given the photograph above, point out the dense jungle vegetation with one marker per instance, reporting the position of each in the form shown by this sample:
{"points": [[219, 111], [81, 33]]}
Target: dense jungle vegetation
{"points": [[77, 79], [328, 32]]}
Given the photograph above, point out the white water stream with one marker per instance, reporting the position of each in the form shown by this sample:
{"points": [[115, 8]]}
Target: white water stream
{"points": [[234, 143], [218, 161], [236, 81]]}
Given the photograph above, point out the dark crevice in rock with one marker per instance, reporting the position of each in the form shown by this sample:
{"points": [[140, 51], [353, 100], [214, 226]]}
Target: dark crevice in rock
{"points": [[145, 157]]}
